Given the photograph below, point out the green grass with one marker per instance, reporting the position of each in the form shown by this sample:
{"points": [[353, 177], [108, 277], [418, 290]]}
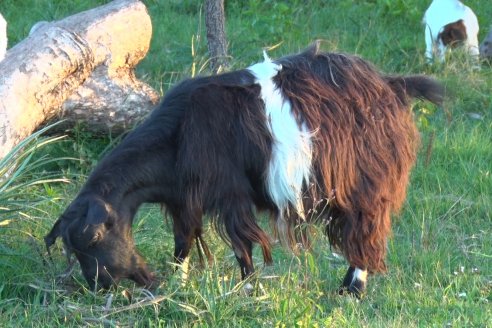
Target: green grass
{"points": [[440, 255]]}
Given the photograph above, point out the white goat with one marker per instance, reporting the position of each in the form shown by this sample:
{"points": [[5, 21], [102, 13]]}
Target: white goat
{"points": [[449, 23]]}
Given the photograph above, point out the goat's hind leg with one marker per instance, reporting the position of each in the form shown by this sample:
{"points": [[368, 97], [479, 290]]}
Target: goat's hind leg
{"points": [[354, 282], [355, 234], [244, 258]]}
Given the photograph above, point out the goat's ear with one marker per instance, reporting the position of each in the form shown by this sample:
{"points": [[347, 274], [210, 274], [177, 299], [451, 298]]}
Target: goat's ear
{"points": [[98, 212], [313, 48], [55, 232]]}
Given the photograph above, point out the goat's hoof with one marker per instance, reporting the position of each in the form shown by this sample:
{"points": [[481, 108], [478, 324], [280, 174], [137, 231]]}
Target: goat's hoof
{"points": [[248, 289], [356, 288], [354, 283]]}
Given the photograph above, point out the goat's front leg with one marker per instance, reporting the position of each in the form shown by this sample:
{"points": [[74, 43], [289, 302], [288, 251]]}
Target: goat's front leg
{"points": [[186, 228], [430, 45], [182, 245]]}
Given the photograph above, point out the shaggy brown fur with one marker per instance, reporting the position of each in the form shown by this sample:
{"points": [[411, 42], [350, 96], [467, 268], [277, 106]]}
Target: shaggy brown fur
{"points": [[364, 145]]}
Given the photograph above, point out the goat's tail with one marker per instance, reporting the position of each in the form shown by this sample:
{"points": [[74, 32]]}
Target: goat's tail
{"points": [[416, 86]]}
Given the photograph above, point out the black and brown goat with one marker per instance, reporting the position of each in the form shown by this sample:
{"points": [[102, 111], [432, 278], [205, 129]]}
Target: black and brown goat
{"points": [[314, 132]]}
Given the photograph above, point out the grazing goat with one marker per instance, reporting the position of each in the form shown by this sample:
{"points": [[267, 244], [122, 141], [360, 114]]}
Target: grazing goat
{"points": [[486, 46], [449, 23], [314, 136]]}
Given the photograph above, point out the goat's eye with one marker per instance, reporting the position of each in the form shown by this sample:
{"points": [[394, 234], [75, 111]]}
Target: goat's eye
{"points": [[97, 237]]}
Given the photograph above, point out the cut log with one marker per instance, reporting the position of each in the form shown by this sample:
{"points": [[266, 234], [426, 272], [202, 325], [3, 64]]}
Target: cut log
{"points": [[108, 104], [78, 68], [3, 36]]}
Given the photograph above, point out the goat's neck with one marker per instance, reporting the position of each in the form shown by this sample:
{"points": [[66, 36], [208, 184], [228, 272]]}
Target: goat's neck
{"points": [[127, 180]]}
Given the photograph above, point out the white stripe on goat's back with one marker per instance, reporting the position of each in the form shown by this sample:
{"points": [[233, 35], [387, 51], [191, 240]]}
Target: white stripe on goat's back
{"points": [[290, 165]]}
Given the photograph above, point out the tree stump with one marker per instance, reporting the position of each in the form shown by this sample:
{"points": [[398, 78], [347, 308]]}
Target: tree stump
{"points": [[78, 68]]}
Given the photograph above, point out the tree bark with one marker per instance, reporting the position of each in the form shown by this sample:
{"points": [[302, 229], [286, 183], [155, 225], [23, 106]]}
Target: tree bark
{"points": [[78, 68], [216, 36]]}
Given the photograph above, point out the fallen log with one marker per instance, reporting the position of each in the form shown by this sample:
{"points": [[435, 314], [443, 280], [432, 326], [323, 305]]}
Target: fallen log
{"points": [[80, 68]]}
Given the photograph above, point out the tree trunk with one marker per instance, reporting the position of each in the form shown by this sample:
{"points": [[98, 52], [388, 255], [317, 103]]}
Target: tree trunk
{"points": [[216, 37], [78, 68]]}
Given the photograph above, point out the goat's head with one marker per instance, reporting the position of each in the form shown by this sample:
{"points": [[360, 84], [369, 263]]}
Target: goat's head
{"points": [[101, 239]]}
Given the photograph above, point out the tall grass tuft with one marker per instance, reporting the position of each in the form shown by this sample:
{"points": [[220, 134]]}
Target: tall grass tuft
{"points": [[22, 169], [25, 189]]}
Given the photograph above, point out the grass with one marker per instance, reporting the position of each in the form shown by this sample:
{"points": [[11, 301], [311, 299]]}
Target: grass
{"points": [[440, 255]]}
